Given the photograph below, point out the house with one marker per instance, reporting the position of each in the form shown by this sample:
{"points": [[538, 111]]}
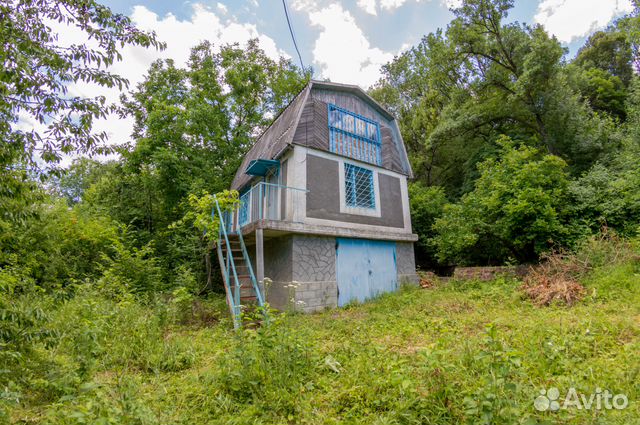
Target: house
{"points": [[324, 207]]}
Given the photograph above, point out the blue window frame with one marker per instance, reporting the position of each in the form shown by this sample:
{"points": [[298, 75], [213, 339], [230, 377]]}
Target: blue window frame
{"points": [[354, 136], [359, 189]]}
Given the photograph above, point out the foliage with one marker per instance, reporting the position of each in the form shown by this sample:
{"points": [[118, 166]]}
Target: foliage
{"points": [[608, 51], [59, 245], [427, 204], [459, 90], [104, 317], [203, 214], [604, 92], [38, 70], [462, 352], [192, 127], [81, 175], [609, 195], [516, 210], [131, 272]]}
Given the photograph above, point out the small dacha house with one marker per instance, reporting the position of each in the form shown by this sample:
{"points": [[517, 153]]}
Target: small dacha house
{"points": [[324, 207]]}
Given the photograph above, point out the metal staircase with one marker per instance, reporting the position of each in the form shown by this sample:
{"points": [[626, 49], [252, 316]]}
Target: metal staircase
{"points": [[240, 283]]}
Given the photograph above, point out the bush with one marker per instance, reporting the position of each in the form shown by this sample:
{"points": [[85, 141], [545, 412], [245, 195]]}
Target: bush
{"points": [[516, 211], [131, 271], [268, 366], [609, 195], [60, 245], [427, 204]]}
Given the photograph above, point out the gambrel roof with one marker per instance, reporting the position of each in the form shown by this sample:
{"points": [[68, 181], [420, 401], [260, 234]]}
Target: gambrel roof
{"points": [[305, 122]]}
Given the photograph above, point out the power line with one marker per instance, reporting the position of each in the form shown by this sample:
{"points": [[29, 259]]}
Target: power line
{"points": [[286, 13]]}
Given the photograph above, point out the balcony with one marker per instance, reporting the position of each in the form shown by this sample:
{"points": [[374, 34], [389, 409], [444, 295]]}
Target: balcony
{"points": [[265, 201]]}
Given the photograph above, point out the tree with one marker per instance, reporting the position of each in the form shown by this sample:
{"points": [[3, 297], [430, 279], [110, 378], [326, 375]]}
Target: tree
{"points": [[427, 204], [37, 72], [604, 92], [34, 88], [517, 210], [459, 90], [79, 177], [192, 127], [608, 51]]}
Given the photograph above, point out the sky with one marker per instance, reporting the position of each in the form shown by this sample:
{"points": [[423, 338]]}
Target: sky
{"points": [[344, 41]]}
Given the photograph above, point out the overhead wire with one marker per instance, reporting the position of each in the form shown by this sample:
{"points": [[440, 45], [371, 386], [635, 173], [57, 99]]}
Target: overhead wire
{"points": [[293, 37]]}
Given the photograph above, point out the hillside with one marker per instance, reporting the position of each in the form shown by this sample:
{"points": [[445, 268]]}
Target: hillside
{"points": [[463, 351]]}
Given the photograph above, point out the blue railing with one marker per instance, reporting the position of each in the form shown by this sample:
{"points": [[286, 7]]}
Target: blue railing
{"points": [[354, 136], [267, 201], [244, 209]]}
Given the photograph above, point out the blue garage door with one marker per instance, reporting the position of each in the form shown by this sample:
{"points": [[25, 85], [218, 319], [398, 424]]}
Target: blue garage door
{"points": [[365, 268]]}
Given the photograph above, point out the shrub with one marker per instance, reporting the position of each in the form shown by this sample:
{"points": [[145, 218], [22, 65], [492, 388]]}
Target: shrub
{"points": [[516, 211], [61, 245], [427, 204], [609, 194], [131, 271]]}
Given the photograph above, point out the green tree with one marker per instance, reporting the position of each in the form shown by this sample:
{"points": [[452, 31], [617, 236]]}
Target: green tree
{"points": [[35, 77], [517, 210], [37, 71], [609, 51], [192, 127], [459, 90], [427, 204], [603, 91]]}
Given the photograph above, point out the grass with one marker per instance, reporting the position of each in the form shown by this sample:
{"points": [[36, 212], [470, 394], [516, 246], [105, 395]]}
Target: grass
{"points": [[462, 352]]}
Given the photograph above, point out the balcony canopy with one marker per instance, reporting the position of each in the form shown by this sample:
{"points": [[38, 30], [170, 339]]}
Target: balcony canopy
{"points": [[260, 167]]}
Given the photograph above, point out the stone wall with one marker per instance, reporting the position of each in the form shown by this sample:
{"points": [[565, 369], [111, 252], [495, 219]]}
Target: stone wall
{"points": [[488, 273], [314, 272]]}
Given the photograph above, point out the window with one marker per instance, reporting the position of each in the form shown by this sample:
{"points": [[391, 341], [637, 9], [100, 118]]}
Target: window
{"points": [[354, 136], [358, 185]]}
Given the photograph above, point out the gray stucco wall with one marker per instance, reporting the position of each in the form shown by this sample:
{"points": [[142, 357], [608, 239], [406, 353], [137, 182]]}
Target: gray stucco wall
{"points": [[406, 263], [323, 198], [278, 263]]}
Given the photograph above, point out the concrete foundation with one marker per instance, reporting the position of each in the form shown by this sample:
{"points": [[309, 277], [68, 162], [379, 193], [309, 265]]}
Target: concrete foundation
{"points": [[301, 271], [406, 263]]}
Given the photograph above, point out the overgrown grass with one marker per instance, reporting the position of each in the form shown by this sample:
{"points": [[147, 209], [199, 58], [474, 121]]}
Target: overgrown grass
{"points": [[462, 352]]}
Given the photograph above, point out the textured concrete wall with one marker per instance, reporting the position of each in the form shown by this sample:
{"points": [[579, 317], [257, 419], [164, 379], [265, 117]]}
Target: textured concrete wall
{"points": [[314, 272], [323, 198], [302, 270], [406, 263]]}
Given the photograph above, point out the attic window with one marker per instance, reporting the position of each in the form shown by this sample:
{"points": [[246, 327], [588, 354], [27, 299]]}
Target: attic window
{"points": [[359, 190], [354, 136]]}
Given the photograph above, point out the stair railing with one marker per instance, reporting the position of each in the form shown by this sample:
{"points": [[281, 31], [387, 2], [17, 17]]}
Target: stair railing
{"points": [[229, 270]]}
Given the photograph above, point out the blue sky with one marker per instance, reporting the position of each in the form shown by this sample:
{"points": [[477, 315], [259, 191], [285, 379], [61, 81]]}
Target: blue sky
{"points": [[345, 41]]}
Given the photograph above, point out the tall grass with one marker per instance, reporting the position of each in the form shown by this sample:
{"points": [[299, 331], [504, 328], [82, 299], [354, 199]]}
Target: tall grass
{"points": [[461, 352]]}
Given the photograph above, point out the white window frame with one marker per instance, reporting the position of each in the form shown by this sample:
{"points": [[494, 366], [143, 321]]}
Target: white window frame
{"points": [[346, 209]]}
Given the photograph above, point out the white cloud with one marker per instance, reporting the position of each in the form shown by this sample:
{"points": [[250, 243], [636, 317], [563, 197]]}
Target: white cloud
{"points": [[570, 19], [342, 51], [391, 4], [451, 4], [368, 6], [180, 36]]}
